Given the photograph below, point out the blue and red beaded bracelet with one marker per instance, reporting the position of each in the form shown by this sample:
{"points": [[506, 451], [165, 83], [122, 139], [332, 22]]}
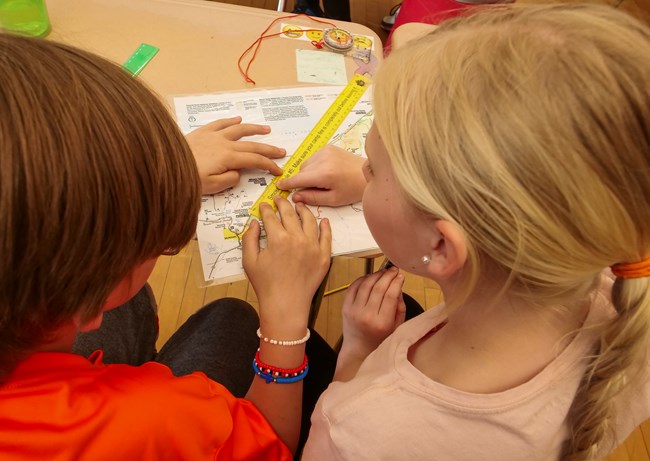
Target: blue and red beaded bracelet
{"points": [[279, 375]]}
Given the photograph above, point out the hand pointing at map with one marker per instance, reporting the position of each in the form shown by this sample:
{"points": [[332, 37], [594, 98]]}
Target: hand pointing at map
{"points": [[220, 154], [331, 177]]}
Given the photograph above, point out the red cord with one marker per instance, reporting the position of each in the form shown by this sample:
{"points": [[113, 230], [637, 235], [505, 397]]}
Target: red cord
{"points": [[258, 42]]}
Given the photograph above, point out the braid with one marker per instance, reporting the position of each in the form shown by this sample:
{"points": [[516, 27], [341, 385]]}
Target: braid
{"points": [[618, 353]]}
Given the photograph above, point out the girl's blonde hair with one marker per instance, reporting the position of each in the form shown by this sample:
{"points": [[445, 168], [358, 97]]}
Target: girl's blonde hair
{"points": [[95, 179], [529, 127]]}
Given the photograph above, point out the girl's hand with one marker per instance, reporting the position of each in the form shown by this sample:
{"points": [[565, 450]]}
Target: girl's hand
{"points": [[287, 273], [372, 310], [331, 177], [220, 154]]}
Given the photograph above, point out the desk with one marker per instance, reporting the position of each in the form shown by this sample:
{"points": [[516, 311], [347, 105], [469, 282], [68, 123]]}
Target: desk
{"points": [[199, 41]]}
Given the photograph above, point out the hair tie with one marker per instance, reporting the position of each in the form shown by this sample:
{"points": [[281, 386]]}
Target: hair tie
{"points": [[632, 270]]}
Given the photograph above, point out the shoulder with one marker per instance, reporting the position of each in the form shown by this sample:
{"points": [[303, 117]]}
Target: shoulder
{"points": [[152, 396], [194, 410], [386, 368], [95, 406]]}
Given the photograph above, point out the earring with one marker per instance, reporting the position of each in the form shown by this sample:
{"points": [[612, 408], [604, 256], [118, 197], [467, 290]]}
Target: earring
{"points": [[426, 260]]}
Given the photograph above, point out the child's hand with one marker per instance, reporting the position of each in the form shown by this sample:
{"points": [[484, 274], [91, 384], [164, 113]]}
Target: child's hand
{"points": [[331, 177], [220, 154], [372, 310], [287, 273]]}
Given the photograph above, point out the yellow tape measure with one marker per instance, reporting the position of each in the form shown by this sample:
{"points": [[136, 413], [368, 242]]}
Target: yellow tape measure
{"points": [[317, 138]]}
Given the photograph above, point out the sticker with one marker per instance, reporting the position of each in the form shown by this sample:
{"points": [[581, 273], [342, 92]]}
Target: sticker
{"points": [[315, 35], [361, 41], [291, 31]]}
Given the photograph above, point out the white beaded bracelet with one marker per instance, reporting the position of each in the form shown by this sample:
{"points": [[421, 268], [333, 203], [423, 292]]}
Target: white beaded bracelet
{"points": [[280, 342]]}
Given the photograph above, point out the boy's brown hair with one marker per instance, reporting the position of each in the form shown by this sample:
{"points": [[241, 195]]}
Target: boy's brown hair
{"points": [[95, 179]]}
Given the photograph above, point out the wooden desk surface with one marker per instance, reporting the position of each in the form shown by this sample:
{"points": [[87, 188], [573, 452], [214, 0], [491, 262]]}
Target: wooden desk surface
{"points": [[199, 41]]}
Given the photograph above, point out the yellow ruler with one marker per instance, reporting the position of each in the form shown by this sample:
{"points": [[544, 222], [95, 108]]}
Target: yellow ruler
{"points": [[317, 138]]}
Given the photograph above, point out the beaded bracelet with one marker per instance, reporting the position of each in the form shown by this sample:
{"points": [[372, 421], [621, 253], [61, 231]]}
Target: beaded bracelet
{"points": [[281, 342], [271, 369], [279, 372], [269, 378]]}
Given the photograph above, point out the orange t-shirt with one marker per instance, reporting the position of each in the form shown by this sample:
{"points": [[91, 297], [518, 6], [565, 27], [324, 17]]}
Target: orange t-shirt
{"points": [[58, 406]]}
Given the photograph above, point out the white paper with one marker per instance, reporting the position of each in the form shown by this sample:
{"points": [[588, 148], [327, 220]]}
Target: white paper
{"points": [[321, 67], [291, 113]]}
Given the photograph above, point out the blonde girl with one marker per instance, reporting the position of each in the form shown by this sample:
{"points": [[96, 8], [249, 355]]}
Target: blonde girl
{"points": [[510, 163]]}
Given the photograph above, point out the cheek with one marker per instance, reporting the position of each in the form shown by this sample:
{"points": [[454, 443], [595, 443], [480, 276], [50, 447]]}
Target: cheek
{"points": [[394, 229], [370, 208], [382, 218]]}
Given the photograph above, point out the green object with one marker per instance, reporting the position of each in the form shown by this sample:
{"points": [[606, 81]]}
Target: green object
{"points": [[139, 59], [26, 17]]}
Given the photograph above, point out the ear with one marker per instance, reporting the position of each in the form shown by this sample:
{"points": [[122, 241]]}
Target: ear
{"points": [[92, 324], [448, 252]]}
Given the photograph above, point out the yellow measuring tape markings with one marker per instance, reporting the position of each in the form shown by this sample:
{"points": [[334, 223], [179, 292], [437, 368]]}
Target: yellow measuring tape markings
{"points": [[317, 138]]}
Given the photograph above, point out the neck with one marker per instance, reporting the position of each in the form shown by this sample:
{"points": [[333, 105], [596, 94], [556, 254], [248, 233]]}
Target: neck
{"points": [[489, 309], [492, 343], [61, 340]]}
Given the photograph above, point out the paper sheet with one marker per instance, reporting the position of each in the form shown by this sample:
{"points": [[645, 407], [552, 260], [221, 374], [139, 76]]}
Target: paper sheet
{"points": [[321, 67], [291, 113]]}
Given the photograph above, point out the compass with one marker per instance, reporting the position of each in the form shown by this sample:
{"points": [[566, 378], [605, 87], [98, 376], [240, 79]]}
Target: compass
{"points": [[337, 39]]}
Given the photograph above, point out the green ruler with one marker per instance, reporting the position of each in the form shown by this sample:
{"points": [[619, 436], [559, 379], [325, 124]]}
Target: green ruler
{"points": [[140, 58]]}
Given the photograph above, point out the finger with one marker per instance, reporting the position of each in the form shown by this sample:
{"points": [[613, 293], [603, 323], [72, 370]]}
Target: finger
{"points": [[308, 220], [391, 299], [242, 160], [302, 179], [219, 182], [250, 244], [316, 197], [380, 289], [350, 299], [400, 315], [288, 215], [260, 148], [366, 287], [272, 224], [241, 130], [221, 124], [325, 237]]}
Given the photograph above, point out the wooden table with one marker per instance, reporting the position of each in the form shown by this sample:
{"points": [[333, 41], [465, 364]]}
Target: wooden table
{"points": [[199, 41]]}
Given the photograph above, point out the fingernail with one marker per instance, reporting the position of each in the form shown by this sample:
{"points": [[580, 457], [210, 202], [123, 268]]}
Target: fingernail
{"points": [[284, 151]]}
